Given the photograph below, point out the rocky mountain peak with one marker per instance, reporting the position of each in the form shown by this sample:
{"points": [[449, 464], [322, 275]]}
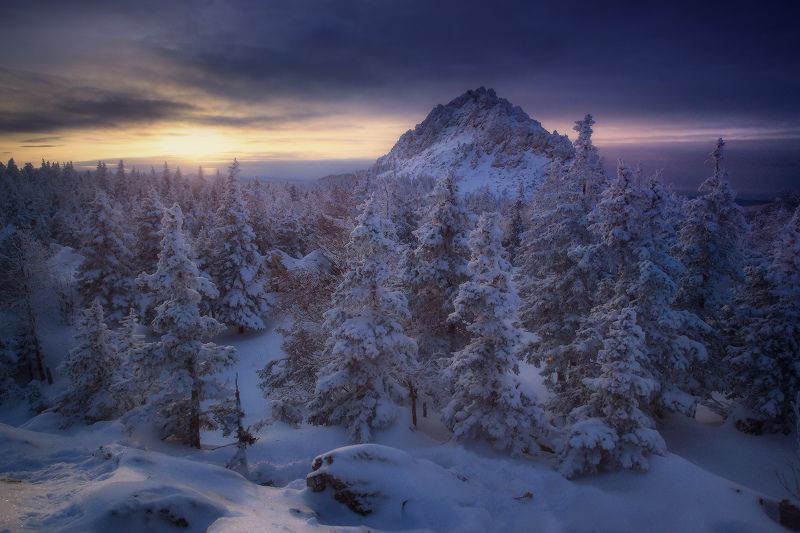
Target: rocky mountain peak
{"points": [[480, 137]]}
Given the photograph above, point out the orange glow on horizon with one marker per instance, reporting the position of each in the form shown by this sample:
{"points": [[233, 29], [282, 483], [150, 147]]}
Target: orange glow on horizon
{"points": [[333, 138], [338, 137]]}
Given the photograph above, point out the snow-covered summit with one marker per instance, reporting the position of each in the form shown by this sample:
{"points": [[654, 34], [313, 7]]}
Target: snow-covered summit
{"points": [[480, 137]]}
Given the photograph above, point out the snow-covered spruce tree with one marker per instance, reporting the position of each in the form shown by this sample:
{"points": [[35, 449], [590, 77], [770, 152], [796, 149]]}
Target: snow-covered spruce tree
{"points": [[631, 225], [677, 339], [367, 351], [179, 188], [105, 273], [557, 277], [288, 383], [612, 429], [435, 269], [167, 186], [588, 164], [401, 199], [514, 225], [237, 267], [9, 370], [90, 368], [765, 343], [186, 365], [25, 290], [710, 245], [25, 282], [102, 177], [207, 203], [485, 397], [258, 204], [120, 188], [131, 381], [287, 232], [147, 217]]}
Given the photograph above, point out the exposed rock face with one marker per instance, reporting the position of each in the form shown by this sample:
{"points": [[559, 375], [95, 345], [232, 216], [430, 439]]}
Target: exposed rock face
{"points": [[481, 138]]}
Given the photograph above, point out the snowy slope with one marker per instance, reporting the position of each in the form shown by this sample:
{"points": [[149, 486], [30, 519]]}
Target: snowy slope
{"points": [[479, 137], [99, 478]]}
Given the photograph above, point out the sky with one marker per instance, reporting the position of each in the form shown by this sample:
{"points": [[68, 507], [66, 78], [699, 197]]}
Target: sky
{"points": [[305, 88]]}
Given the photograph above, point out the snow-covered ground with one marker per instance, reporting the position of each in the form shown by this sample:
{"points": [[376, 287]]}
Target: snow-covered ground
{"points": [[100, 478]]}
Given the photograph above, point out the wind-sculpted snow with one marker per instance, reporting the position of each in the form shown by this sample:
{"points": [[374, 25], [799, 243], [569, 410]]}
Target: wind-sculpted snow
{"points": [[481, 138], [96, 479]]}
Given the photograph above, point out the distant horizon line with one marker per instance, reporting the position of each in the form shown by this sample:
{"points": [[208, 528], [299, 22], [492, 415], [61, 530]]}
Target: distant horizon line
{"points": [[771, 166]]}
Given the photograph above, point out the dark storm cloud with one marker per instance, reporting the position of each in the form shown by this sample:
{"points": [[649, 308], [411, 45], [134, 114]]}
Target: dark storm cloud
{"points": [[666, 59], [111, 111], [320, 49], [641, 60], [37, 103]]}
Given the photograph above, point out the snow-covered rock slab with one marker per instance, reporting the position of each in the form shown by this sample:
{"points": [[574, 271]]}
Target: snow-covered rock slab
{"points": [[380, 480]]}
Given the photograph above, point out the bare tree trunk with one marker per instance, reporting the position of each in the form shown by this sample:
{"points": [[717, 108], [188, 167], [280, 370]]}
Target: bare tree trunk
{"points": [[31, 316], [239, 461], [35, 346], [412, 394], [194, 408]]}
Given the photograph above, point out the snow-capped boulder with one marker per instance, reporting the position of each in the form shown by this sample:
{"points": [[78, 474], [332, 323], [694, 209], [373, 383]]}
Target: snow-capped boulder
{"points": [[374, 479], [481, 138]]}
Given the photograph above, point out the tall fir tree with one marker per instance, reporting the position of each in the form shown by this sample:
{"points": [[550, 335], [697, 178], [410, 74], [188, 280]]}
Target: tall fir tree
{"points": [[106, 271], [102, 177], [90, 368], [710, 245], [557, 276], [9, 371], [587, 162], [764, 346], [367, 351], [147, 217], [131, 380], [514, 225], [289, 382], [121, 190], [631, 224], [486, 400], [435, 269], [237, 267], [187, 365], [25, 281], [612, 429]]}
